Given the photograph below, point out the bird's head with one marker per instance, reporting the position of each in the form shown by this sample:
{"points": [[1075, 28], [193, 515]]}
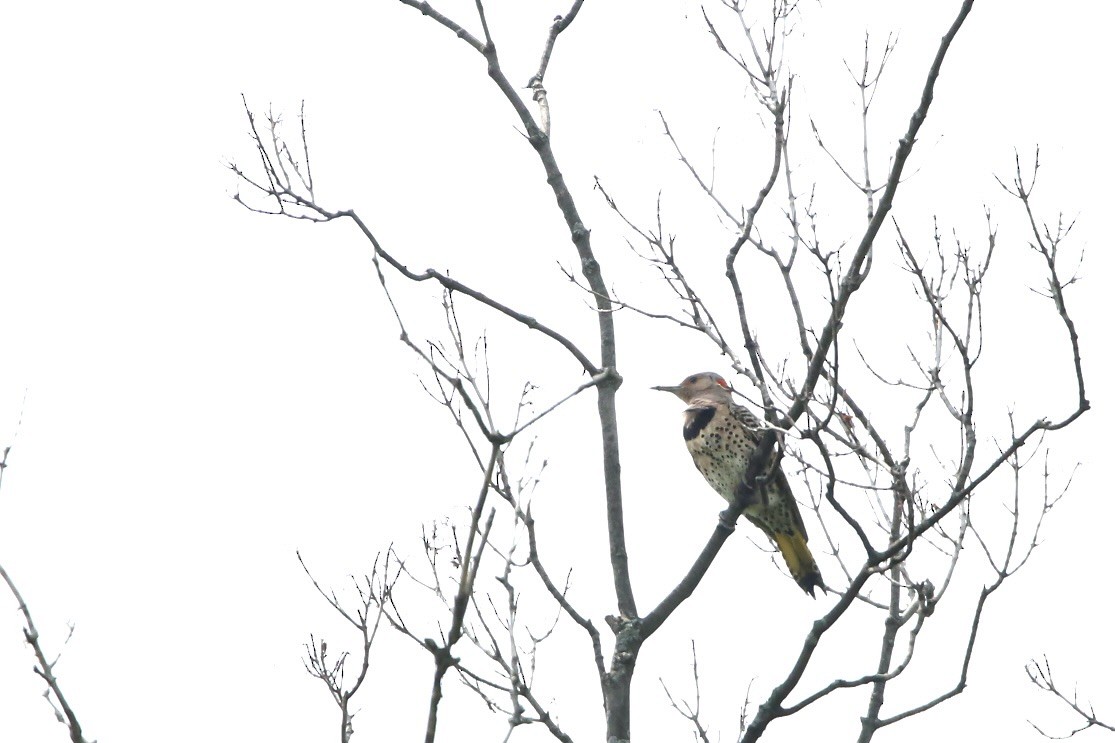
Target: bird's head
{"points": [[703, 385]]}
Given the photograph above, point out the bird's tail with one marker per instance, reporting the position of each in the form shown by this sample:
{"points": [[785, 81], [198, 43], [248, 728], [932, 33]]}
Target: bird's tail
{"points": [[800, 561]]}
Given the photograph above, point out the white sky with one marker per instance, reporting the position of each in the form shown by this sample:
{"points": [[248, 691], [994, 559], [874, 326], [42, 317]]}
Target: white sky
{"points": [[193, 392]]}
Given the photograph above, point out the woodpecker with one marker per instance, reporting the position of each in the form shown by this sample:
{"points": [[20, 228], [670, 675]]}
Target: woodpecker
{"points": [[722, 437]]}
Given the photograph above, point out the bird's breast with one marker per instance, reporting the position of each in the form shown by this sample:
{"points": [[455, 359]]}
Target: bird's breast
{"points": [[721, 453]]}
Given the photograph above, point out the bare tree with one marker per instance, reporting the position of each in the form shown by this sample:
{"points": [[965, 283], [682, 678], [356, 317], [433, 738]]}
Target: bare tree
{"points": [[889, 442]]}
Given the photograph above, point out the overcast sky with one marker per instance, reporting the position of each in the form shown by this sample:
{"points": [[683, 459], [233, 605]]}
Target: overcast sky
{"points": [[193, 392]]}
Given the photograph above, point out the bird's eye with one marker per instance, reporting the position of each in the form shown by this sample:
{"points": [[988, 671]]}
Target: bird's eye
{"points": [[691, 380]]}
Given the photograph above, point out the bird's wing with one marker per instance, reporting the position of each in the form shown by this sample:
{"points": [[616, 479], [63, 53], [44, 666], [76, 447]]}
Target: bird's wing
{"points": [[752, 426], [787, 495], [780, 484], [761, 525]]}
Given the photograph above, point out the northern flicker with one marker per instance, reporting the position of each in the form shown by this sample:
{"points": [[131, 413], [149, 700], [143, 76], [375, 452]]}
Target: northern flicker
{"points": [[722, 437]]}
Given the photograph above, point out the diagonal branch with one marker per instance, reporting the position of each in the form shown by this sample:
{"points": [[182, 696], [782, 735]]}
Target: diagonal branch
{"points": [[45, 668], [856, 272], [1041, 675], [470, 565]]}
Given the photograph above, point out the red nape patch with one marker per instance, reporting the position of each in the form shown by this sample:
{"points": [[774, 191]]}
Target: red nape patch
{"points": [[720, 381]]}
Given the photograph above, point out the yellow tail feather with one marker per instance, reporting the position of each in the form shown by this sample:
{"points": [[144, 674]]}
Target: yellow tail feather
{"points": [[800, 561]]}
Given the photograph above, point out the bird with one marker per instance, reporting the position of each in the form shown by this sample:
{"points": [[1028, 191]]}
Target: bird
{"points": [[722, 436]]}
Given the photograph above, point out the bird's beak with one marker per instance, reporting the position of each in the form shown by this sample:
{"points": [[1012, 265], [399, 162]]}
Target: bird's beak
{"points": [[665, 388]]}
